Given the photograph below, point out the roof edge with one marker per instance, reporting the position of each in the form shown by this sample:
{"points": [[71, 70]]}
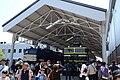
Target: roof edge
{"points": [[85, 5], [69, 1]]}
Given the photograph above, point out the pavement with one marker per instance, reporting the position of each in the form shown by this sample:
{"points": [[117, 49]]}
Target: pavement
{"points": [[64, 78]]}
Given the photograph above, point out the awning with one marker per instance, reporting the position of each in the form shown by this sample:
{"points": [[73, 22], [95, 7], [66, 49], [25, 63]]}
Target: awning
{"points": [[60, 23]]}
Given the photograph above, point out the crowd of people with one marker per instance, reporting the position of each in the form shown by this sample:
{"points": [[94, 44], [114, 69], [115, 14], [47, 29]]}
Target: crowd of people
{"points": [[48, 70], [30, 70], [96, 70]]}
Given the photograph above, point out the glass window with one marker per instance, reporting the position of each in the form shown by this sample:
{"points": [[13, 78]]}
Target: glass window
{"points": [[9, 50], [14, 50], [68, 50], [80, 50], [20, 50]]}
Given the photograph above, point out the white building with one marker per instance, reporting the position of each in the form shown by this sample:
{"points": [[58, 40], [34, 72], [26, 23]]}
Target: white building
{"points": [[113, 30], [18, 50]]}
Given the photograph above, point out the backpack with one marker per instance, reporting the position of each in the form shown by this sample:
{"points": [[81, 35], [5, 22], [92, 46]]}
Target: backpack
{"points": [[104, 73]]}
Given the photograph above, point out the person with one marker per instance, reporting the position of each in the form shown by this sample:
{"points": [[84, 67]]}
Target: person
{"points": [[11, 76], [3, 66], [83, 72], [91, 71], [68, 70], [7, 62], [98, 66], [103, 72], [32, 67], [54, 74], [38, 67], [13, 67], [4, 76], [116, 75], [24, 73], [113, 67], [60, 68], [41, 75], [49, 66], [17, 72], [19, 62], [73, 69], [45, 67]]}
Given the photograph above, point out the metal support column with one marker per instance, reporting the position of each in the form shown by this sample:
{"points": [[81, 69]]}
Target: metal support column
{"points": [[104, 54], [12, 49]]}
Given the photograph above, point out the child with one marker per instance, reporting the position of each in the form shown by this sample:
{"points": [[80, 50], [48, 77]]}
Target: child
{"points": [[11, 76], [4, 76], [42, 75]]}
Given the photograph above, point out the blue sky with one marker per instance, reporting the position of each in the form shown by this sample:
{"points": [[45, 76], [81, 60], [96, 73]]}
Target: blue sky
{"points": [[9, 8]]}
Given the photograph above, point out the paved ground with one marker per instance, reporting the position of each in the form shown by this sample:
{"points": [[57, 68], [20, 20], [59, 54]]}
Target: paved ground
{"points": [[64, 78]]}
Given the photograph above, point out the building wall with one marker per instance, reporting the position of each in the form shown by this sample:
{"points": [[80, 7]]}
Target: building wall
{"points": [[17, 53], [20, 46], [114, 33]]}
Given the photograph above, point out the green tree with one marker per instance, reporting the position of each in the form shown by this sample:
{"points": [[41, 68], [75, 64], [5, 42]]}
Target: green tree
{"points": [[1, 54]]}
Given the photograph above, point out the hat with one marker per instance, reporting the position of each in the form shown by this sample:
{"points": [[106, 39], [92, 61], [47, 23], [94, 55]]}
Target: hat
{"points": [[42, 69], [4, 59], [116, 73], [4, 72]]}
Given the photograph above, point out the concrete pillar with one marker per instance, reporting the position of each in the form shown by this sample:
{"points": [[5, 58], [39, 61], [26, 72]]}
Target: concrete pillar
{"points": [[12, 49], [104, 54]]}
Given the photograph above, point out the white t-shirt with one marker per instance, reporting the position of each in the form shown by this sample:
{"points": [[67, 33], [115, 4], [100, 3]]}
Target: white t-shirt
{"points": [[3, 68], [7, 78], [82, 69]]}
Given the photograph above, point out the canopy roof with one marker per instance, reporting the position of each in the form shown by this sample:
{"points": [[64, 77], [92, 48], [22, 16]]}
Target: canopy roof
{"points": [[60, 23]]}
